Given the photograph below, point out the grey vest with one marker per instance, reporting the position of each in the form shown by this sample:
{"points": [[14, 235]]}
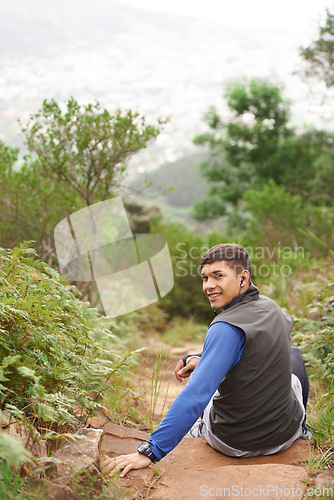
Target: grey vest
{"points": [[256, 407]]}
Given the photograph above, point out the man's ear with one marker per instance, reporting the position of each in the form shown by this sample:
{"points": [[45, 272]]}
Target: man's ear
{"points": [[245, 278]]}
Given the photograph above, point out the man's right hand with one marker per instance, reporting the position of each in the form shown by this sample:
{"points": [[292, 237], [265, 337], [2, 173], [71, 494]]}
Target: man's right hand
{"points": [[182, 372]]}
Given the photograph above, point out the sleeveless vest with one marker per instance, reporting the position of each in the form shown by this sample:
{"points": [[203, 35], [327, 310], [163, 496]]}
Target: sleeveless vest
{"points": [[256, 407]]}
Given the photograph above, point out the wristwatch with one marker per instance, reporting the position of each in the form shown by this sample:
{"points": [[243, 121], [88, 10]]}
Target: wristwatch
{"points": [[145, 449]]}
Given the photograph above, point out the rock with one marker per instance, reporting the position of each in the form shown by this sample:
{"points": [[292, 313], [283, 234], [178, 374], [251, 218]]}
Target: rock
{"points": [[28, 436], [78, 455], [52, 491], [271, 481], [98, 422], [118, 440], [325, 478], [136, 484], [124, 432], [201, 456], [193, 465]]}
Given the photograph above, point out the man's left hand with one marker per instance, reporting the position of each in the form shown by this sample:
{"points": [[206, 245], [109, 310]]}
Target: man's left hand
{"points": [[133, 461], [182, 372]]}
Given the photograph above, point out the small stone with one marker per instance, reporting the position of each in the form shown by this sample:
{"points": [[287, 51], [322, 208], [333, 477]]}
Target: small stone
{"points": [[78, 455], [98, 422], [52, 491], [324, 478], [124, 432], [119, 440]]}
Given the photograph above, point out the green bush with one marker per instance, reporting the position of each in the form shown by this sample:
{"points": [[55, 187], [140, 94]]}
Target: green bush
{"points": [[278, 218], [55, 356], [187, 297], [314, 329]]}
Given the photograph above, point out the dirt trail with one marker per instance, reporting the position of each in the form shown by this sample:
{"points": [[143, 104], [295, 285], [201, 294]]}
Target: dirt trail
{"points": [[169, 386]]}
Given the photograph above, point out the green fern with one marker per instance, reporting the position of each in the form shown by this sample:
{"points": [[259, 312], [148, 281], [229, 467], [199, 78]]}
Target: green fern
{"points": [[57, 354]]}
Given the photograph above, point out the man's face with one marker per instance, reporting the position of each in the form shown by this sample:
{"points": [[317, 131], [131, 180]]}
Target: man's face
{"points": [[220, 284]]}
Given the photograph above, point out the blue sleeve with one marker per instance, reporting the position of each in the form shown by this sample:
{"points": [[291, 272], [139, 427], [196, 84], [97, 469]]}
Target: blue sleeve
{"points": [[222, 350]]}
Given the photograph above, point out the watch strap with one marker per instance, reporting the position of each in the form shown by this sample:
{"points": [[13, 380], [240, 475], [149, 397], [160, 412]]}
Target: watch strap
{"points": [[145, 449]]}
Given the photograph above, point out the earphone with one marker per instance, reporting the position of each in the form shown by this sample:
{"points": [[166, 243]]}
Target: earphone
{"points": [[242, 280]]}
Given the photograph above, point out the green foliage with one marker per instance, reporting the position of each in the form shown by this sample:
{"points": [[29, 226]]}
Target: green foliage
{"points": [[11, 482], [257, 144], [55, 357], [29, 202], [277, 217], [322, 420], [182, 330], [8, 156], [12, 451], [309, 158], [77, 155], [86, 146], [320, 462], [319, 55], [314, 333], [186, 248], [158, 372], [243, 150], [323, 184], [314, 330]]}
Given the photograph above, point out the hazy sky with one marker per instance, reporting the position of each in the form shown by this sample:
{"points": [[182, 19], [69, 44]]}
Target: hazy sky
{"points": [[301, 15]]}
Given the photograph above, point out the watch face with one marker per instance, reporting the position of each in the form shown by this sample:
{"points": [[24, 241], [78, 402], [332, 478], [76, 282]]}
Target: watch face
{"points": [[144, 448]]}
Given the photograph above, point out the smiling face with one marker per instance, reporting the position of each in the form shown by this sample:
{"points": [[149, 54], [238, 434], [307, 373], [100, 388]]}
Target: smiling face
{"points": [[221, 284]]}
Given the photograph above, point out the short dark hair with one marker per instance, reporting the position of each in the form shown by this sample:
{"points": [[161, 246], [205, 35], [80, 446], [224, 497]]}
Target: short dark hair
{"points": [[236, 257]]}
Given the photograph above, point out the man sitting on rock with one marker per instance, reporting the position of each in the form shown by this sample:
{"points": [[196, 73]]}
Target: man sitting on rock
{"points": [[248, 393]]}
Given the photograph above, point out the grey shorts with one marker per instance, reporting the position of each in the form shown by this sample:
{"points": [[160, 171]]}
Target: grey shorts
{"points": [[202, 428]]}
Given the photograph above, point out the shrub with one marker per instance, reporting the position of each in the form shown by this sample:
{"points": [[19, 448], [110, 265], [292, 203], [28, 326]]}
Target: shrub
{"points": [[186, 298], [314, 330], [277, 217], [54, 361]]}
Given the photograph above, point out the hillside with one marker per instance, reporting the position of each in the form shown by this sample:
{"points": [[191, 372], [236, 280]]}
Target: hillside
{"points": [[182, 176]]}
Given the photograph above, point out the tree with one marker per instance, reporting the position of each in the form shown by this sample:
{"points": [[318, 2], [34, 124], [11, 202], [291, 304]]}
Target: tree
{"points": [[8, 157], [32, 205], [279, 219], [319, 55], [86, 146], [309, 170], [244, 151], [78, 156], [323, 183], [257, 144]]}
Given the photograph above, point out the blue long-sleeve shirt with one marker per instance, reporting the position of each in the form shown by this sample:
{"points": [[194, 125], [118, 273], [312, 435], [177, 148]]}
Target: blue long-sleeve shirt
{"points": [[222, 350]]}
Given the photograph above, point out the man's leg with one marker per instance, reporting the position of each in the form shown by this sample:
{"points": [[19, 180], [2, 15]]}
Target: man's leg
{"points": [[298, 369]]}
